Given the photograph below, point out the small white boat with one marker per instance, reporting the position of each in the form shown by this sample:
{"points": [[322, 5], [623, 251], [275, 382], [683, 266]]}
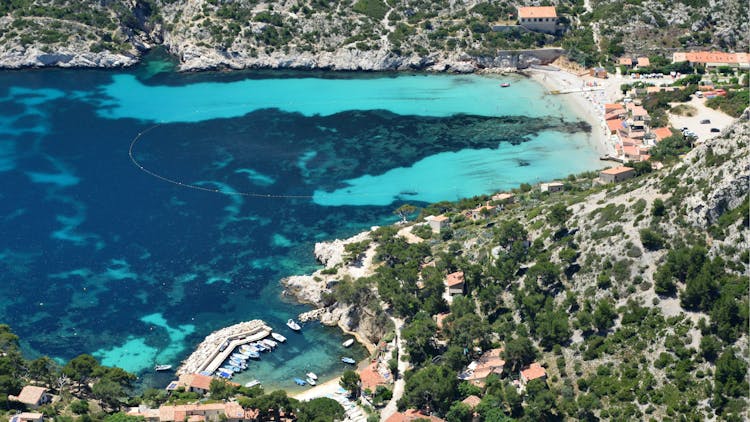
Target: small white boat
{"points": [[311, 381], [270, 343], [348, 342], [311, 375], [252, 383], [293, 325], [162, 367], [278, 337]]}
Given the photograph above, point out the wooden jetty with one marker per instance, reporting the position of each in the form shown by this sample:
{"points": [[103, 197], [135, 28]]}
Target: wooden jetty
{"points": [[217, 346]]}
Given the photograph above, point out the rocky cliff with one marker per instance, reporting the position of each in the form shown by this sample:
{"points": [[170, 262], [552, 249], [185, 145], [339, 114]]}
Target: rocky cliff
{"points": [[331, 34]]}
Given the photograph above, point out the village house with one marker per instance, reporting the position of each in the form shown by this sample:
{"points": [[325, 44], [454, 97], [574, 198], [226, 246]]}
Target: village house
{"points": [[505, 198], [370, 378], [196, 383], [481, 212], [477, 371], [437, 222], [598, 72], [551, 187], [643, 62], [540, 19], [27, 417], [713, 59], [32, 396], [661, 133], [208, 412], [412, 415], [625, 61], [615, 126], [454, 284], [472, 401], [616, 174], [533, 372]]}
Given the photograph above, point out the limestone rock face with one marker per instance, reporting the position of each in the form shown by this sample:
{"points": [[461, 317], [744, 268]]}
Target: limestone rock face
{"points": [[69, 57], [727, 183]]}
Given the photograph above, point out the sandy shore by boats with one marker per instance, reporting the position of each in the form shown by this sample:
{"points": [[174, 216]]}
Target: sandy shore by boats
{"points": [[589, 105]]}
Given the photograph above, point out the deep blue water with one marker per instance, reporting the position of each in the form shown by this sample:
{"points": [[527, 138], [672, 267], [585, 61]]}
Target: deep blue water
{"points": [[97, 256]]}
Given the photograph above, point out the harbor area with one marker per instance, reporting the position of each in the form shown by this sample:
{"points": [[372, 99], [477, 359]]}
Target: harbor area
{"points": [[217, 346]]}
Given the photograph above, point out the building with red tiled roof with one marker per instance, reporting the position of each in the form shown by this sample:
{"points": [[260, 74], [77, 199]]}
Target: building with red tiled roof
{"points": [[437, 222], [644, 62], [713, 58], [491, 362], [661, 133], [625, 61], [538, 18], [370, 378], [616, 174], [532, 372], [472, 401], [27, 417], [32, 396], [454, 283], [610, 107], [615, 126], [213, 412], [412, 415]]}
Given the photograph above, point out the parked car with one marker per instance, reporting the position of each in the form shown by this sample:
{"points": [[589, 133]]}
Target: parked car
{"points": [[715, 130], [705, 122]]}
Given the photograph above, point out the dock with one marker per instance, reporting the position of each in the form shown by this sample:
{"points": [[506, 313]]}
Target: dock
{"points": [[217, 346]]}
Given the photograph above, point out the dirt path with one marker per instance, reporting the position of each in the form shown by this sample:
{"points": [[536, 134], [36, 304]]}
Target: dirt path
{"points": [[403, 366]]}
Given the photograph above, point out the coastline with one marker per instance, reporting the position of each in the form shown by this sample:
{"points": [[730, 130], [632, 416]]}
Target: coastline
{"points": [[589, 105]]}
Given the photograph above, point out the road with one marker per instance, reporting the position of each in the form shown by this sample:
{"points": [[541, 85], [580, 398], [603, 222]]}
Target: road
{"points": [[403, 366]]}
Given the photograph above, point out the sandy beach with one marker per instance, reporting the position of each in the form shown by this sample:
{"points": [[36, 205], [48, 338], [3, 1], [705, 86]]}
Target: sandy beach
{"points": [[588, 104]]}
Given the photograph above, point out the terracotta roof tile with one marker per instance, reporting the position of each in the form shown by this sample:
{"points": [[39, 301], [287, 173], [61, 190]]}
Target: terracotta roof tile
{"points": [[454, 279], [533, 372], [537, 12]]}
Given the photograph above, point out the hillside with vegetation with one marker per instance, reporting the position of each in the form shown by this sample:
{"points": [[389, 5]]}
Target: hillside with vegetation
{"points": [[350, 34], [632, 296]]}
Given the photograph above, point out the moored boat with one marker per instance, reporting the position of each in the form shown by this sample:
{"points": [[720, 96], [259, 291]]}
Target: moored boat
{"points": [[293, 325], [270, 343], [505, 84], [300, 381], [348, 342], [252, 383], [311, 381], [348, 360], [162, 368], [311, 375], [278, 337], [226, 369]]}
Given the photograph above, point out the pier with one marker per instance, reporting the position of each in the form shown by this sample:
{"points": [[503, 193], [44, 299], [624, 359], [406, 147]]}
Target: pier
{"points": [[217, 346]]}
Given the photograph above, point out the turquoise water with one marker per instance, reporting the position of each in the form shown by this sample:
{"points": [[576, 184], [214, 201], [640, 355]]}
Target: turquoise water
{"points": [[100, 257]]}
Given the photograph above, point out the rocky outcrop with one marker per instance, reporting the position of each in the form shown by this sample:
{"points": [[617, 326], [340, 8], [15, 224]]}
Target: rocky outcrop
{"points": [[67, 57], [722, 165], [368, 325]]}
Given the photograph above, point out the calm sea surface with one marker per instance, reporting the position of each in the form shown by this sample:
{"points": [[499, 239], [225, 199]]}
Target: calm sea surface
{"points": [[98, 256]]}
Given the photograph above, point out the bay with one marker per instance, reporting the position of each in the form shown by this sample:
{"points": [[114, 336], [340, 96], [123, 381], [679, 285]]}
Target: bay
{"points": [[98, 256]]}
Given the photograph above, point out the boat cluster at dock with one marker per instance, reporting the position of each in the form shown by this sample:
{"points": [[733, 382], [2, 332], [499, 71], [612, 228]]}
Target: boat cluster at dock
{"points": [[231, 351], [238, 360]]}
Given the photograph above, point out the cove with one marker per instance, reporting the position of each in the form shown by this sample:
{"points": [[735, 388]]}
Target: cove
{"points": [[99, 257]]}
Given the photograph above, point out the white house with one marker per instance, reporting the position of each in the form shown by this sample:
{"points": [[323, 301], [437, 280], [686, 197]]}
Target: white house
{"points": [[541, 19]]}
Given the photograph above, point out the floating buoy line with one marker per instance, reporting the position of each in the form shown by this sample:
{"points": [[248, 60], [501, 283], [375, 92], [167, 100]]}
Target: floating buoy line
{"points": [[131, 154]]}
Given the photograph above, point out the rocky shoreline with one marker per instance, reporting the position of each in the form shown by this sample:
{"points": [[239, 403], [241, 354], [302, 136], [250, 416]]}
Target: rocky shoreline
{"points": [[194, 58], [313, 288]]}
